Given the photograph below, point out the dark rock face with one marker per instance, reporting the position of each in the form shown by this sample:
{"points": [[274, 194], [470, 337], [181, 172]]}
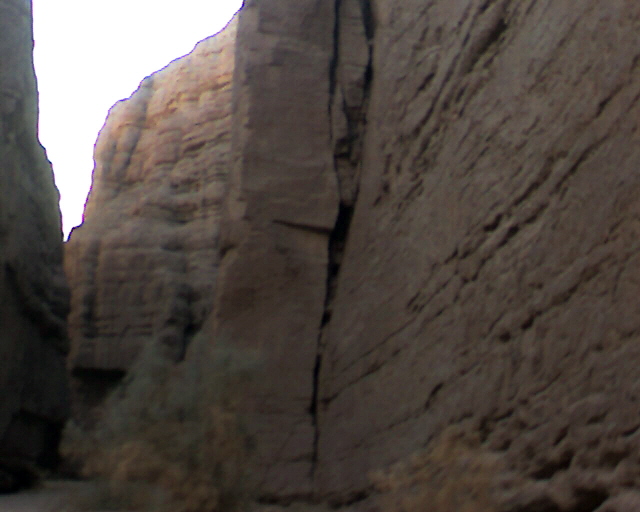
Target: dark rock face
{"points": [[431, 221], [33, 293]]}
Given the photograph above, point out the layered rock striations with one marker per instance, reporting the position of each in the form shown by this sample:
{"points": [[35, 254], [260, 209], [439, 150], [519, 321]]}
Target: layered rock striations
{"points": [[430, 222], [144, 262], [33, 293], [490, 270]]}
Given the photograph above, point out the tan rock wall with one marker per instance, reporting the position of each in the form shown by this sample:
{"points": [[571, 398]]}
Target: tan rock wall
{"points": [[33, 293], [430, 221], [490, 270], [144, 263], [282, 205]]}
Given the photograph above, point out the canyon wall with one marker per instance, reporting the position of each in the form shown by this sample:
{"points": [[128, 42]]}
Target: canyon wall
{"points": [[33, 293], [430, 223], [298, 121], [144, 262], [492, 260]]}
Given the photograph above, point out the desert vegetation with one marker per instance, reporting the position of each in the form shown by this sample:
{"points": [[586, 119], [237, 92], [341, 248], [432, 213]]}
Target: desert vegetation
{"points": [[455, 472], [170, 438]]}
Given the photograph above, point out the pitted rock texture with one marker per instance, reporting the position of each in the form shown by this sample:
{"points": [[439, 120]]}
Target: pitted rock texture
{"points": [[491, 267], [143, 264], [33, 293]]}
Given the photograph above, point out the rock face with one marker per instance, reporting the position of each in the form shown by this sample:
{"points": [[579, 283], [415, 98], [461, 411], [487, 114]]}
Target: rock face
{"points": [[430, 222], [33, 293], [490, 270], [298, 119], [144, 262]]}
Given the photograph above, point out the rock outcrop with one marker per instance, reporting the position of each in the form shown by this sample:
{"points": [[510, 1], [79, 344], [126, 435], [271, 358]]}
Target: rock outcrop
{"points": [[33, 293], [144, 262], [430, 223]]}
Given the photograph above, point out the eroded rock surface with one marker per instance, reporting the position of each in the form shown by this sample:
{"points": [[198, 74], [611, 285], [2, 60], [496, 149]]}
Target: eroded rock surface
{"points": [[431, 221], [143, 264], [488, 153], [33, 293], [491, 268]]}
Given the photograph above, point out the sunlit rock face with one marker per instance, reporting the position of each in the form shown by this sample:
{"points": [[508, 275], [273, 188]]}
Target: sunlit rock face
{"points": [[143, 264], [33, 293], [430, 221]]}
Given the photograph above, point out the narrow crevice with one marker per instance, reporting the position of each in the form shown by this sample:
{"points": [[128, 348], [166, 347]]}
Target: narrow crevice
{"points": [[313, 410], [191, 328], [432, 396], [326, 315], [346, 163], [484, 44], [335, 56], [367, 18], [302, 227], [337, 243]]}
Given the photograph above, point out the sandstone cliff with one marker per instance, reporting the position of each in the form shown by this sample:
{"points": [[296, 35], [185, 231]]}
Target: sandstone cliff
{"points": [[143, 263], [430, 223], [33, 293], [491, 265], [298, 115]]}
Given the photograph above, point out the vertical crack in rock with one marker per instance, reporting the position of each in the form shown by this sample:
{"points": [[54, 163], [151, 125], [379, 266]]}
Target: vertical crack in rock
{"points": [[335, 57], [350, 76]]}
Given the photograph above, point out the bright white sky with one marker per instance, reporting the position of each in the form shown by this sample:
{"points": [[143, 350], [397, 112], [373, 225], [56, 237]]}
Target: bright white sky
{"points": [[89, 55]]}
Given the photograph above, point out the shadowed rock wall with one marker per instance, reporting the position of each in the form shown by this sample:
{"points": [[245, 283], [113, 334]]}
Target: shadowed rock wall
{"points": [[467, 252], [491, 269], [33, 293]]}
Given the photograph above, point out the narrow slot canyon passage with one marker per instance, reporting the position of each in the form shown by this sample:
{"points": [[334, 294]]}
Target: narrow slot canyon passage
{"points": [[345, 255]]}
